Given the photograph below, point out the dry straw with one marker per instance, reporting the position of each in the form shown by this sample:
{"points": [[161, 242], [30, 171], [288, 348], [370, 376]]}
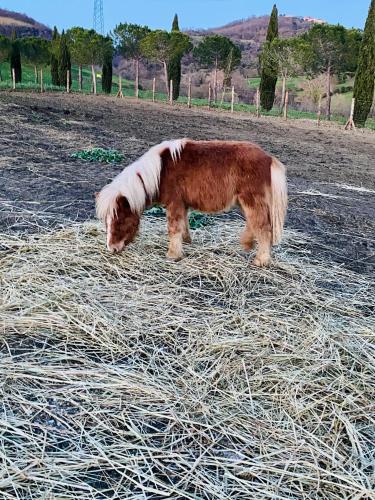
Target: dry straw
{"points": [[131, 377]]}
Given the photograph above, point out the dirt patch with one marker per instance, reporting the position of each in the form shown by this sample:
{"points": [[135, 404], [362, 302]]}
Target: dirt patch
{"points": [[41, 185]]}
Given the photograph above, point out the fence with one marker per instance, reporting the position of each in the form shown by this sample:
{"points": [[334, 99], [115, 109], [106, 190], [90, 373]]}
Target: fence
{"points": [[228, 99]]}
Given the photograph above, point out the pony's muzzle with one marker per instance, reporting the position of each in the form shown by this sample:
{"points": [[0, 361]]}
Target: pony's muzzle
{"points": [[116, 248]]}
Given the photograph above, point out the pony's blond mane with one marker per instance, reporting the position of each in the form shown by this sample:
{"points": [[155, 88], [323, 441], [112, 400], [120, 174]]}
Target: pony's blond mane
{"points": [[129, 184]]}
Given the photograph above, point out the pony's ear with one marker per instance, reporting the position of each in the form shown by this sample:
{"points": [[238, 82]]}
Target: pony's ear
{"points": [[122, 208], [122, 202]]}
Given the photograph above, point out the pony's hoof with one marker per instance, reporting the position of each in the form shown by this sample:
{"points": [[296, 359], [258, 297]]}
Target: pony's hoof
{"points": [[261, 262], [248, 246], [174, 258], [187, 239]]}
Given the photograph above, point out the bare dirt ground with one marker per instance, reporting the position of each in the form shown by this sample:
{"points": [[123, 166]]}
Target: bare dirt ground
{"points": [[331, 173]]}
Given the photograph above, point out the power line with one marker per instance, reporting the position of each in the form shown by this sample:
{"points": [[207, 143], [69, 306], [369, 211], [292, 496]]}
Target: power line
{"points": [[98, 23]]}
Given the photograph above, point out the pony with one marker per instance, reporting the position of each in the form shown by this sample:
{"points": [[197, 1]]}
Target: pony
{"points": [[209, 176]]}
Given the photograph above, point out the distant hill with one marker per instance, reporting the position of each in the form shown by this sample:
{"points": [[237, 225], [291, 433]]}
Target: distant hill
{"points": [[22, 24], [250, 33], [255, 27]]}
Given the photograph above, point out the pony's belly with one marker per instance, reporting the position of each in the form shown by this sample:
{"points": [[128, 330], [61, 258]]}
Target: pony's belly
{"points": [[212, 206]]}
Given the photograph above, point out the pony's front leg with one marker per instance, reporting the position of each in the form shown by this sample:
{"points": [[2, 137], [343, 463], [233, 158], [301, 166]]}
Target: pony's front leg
{"points": [[177, 231], [186, 233]]}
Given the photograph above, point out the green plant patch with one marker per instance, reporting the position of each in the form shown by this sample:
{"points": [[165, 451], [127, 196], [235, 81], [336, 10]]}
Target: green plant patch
{"points": [[196, 219], [99, 155], [156, 211]]}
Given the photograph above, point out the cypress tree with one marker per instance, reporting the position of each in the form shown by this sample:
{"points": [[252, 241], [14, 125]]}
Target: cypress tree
{"points": [[175, 25], [174, 66], [15, 58], [364, 80], [54, 60], [64, 60], [107, 70], [268, 77]]}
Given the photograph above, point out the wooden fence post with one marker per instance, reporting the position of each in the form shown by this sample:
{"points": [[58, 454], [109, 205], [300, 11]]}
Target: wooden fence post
{"points": [[286, 105], [232, 102], [350, 125], [137, 84], [223, 95], [120, 93], [41, 81], [68, 81], [153, 89], [171, 92], [14, 78], [257, 103], [35, 75], [209, 95], [189, 93], [319, 109], [93, 78]]}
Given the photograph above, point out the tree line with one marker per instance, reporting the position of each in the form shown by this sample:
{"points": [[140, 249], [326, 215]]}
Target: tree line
{"points": [[325, 49], [76, 46], [214, 52]]}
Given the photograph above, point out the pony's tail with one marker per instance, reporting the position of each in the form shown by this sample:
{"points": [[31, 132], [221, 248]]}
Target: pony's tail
{"points": [[279, 200]]}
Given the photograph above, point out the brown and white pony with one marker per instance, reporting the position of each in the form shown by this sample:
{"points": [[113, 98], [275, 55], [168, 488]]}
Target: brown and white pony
{"points": [[210, 176]]}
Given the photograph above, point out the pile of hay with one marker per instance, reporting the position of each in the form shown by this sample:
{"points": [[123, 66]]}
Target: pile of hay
{"points": [[131, 377]]}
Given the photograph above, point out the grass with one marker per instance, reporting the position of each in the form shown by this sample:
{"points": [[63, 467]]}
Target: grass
{"points": [[28, 79], [339, 101], [130, 377], [293, 83]]}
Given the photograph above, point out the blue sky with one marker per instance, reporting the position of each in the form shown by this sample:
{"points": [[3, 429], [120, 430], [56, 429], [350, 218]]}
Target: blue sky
{"points": [[192, 13]]}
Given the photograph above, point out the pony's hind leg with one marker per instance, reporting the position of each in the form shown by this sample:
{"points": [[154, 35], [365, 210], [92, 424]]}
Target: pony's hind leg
{"points": [[258, 227], [176, 216], [263, 256], [186, 233], [248, 235]]}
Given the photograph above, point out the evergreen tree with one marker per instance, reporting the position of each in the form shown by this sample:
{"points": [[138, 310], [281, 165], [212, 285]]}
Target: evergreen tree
{"points": [[330, 45], [364, 80], [15, 58], [64, 60], [36, 51], [4, 51], [174, 66], [288, 57], [268, 79], [54, 58], [162, 47], [218, 52], [107, 71], [175, 24], [127, 39]]}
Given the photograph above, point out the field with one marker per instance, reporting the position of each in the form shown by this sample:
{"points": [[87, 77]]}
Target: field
{"points": [[244, 101], [340, 103], [130, 377]]}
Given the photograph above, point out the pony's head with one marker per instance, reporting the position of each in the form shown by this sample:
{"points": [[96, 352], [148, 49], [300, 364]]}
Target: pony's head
{"points": [[121, 224], [120, 204]]}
